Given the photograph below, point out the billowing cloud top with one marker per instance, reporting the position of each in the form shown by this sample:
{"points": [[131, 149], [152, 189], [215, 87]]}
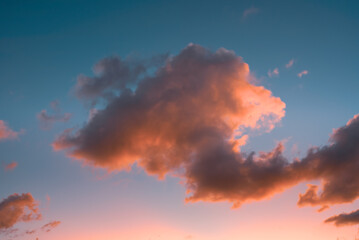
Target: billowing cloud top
{"points": [[16, 208]]}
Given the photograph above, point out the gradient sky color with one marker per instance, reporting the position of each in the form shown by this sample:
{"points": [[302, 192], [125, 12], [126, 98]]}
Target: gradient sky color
{"points": [[304, 52]]}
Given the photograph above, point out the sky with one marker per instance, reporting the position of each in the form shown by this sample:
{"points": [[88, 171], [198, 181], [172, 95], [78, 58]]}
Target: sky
{"points": [[161, 120]]}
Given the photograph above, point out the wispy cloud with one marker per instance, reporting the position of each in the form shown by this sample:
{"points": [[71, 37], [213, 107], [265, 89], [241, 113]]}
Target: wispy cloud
{"points": [[29, 232], [49, 226], [344, 219], [10, 233], [323, 208], [6, 132], [290, 63], [273, 73], [10, 166], [302, 73], [47, 120], [249, 11]]}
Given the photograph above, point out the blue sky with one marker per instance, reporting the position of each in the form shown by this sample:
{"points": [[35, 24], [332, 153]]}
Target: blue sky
{"points": [[45, 45]]}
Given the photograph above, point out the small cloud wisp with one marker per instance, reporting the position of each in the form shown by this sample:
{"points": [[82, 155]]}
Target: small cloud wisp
{"points": [[6, 132], [302, 73]]}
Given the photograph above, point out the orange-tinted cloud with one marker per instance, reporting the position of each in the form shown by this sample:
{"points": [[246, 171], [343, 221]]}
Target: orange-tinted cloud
{"points": [[188, 119], [196, 101], [16, 208], [323, 208], [344, 219], [49, 226], [219, 174], [222, 175], [302, 73], [10, 166], [47, 120], [6, 132], [336, 165]]}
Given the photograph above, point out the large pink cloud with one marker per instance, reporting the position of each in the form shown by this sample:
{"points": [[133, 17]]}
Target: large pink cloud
{"points": [[197, 101], [188, 118]]}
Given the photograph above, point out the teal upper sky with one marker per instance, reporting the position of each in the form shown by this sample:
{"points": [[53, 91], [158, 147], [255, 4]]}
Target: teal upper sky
{"points": [[45, 45]]}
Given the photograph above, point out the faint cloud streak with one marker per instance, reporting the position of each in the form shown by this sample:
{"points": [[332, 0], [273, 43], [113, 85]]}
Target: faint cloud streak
{"points": [[6, 132], [47, 120], [50, 226], [273, 73], [11, 166], [249, 11], [302, 73], [290, 63]]}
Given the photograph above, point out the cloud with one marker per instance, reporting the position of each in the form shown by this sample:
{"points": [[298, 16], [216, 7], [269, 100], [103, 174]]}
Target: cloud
{"points": [[249, 11], [218, 177], [113, 75], [223, 175], [49, 226], [16, 208], [6, 132], [323, 208], [47, 120], [336, 166], [10, 233], [10, 166], [302, 73], [344, 219], [197, 101], [273, 73], [29, 232], [188, 119], [290, 63]]}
